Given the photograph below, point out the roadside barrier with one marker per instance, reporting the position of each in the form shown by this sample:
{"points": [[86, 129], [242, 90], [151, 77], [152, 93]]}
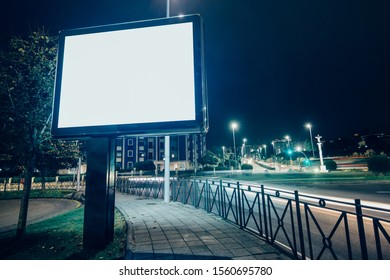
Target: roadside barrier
{"points": [[304, 226]]}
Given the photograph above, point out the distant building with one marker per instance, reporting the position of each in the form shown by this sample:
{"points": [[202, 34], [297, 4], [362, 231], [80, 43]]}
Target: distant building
{"points": [[185, 151]]}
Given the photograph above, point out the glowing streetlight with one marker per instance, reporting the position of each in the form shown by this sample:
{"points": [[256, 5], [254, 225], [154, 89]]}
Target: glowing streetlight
{"points": [[265, 151], [308, 125], [223, 155], [288, 140], [243, 147], [288, 145], [234, 126]]}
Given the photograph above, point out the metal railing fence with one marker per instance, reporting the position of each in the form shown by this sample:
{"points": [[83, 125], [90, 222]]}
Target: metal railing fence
{"points": [[304, 226]]}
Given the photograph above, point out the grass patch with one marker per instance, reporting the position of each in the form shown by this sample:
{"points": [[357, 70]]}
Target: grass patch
{"points": [[61, 238]]}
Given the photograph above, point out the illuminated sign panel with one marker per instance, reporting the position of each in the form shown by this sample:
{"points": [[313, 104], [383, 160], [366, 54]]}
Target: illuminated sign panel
{"points": [[131, 79]]}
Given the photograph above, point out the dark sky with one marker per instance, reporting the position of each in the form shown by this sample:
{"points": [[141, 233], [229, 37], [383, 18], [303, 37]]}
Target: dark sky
{"points": [[272, 65]]}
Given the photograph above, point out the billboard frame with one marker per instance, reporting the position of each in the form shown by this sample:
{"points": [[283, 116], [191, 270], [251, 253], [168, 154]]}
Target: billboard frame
{"points": [[198, 125]]}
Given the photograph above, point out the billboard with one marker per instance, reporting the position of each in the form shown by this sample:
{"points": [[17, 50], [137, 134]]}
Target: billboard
{"points": [[135, 78]]}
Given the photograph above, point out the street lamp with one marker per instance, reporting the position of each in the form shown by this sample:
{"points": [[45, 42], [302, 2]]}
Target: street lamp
{"points": [[288, 145], [243, 147], [265, 151], [288, 140], [308, 125], [234, 126], [223, 155]]}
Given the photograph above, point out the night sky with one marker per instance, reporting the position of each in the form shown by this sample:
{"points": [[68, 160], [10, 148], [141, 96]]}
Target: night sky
{"points": [[272, 65]]}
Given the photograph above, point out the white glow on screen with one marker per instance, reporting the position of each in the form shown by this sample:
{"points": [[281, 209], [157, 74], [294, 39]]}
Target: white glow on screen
{"points": [[129, 76]]}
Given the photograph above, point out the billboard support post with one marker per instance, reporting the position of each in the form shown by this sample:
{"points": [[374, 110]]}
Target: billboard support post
{"points": [[99, 193]]}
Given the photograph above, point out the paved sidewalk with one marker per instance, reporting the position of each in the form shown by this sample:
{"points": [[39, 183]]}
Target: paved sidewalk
{"points": [[174, 231]]}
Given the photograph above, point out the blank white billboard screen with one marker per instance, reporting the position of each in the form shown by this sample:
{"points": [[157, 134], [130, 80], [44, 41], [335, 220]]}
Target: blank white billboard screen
{"points": [[133, 76]]}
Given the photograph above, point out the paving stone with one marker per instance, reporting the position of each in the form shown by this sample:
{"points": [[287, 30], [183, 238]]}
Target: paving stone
{"points": [[223, 253], [178, 244], [157, 246], [240, 252], [198, 249]]}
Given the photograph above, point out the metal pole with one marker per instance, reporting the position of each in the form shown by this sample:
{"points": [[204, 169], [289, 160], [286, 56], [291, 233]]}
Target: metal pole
{"points": [[239, 205], [300, 226], [362, 234], [166, 169], [234, 145], [264, 213], [312, 145], [167, 154]]}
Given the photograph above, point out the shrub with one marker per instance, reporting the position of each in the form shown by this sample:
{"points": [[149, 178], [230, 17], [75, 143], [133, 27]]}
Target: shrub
{"points": [[246, 166], [379, 164], [330, 164], [145, 165]]}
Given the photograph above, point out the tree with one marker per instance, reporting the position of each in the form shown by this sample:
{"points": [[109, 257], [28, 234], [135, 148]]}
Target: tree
{"points": [[330, 164], [246, 166], [27, 69], [379, 164], [210, 160], [55, 155]]}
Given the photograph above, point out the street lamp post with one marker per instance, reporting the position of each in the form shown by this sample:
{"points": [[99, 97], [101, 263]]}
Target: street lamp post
{"points": [[223, 155], [265, 152], [311, 138], [243, 148], [234, 126], [288, 145], [273, 154]]}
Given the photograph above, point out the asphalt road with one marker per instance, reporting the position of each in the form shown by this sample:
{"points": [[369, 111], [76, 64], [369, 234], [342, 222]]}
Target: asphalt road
{"points": [[39, 209], [370, 192]]}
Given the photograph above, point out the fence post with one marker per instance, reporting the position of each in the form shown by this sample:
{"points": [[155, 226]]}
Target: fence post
{"points": [[195, 187], [221, 211], [360, 223], [300, 227], [174, 195], [239, 204], [264, 213], [206, 195]]}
